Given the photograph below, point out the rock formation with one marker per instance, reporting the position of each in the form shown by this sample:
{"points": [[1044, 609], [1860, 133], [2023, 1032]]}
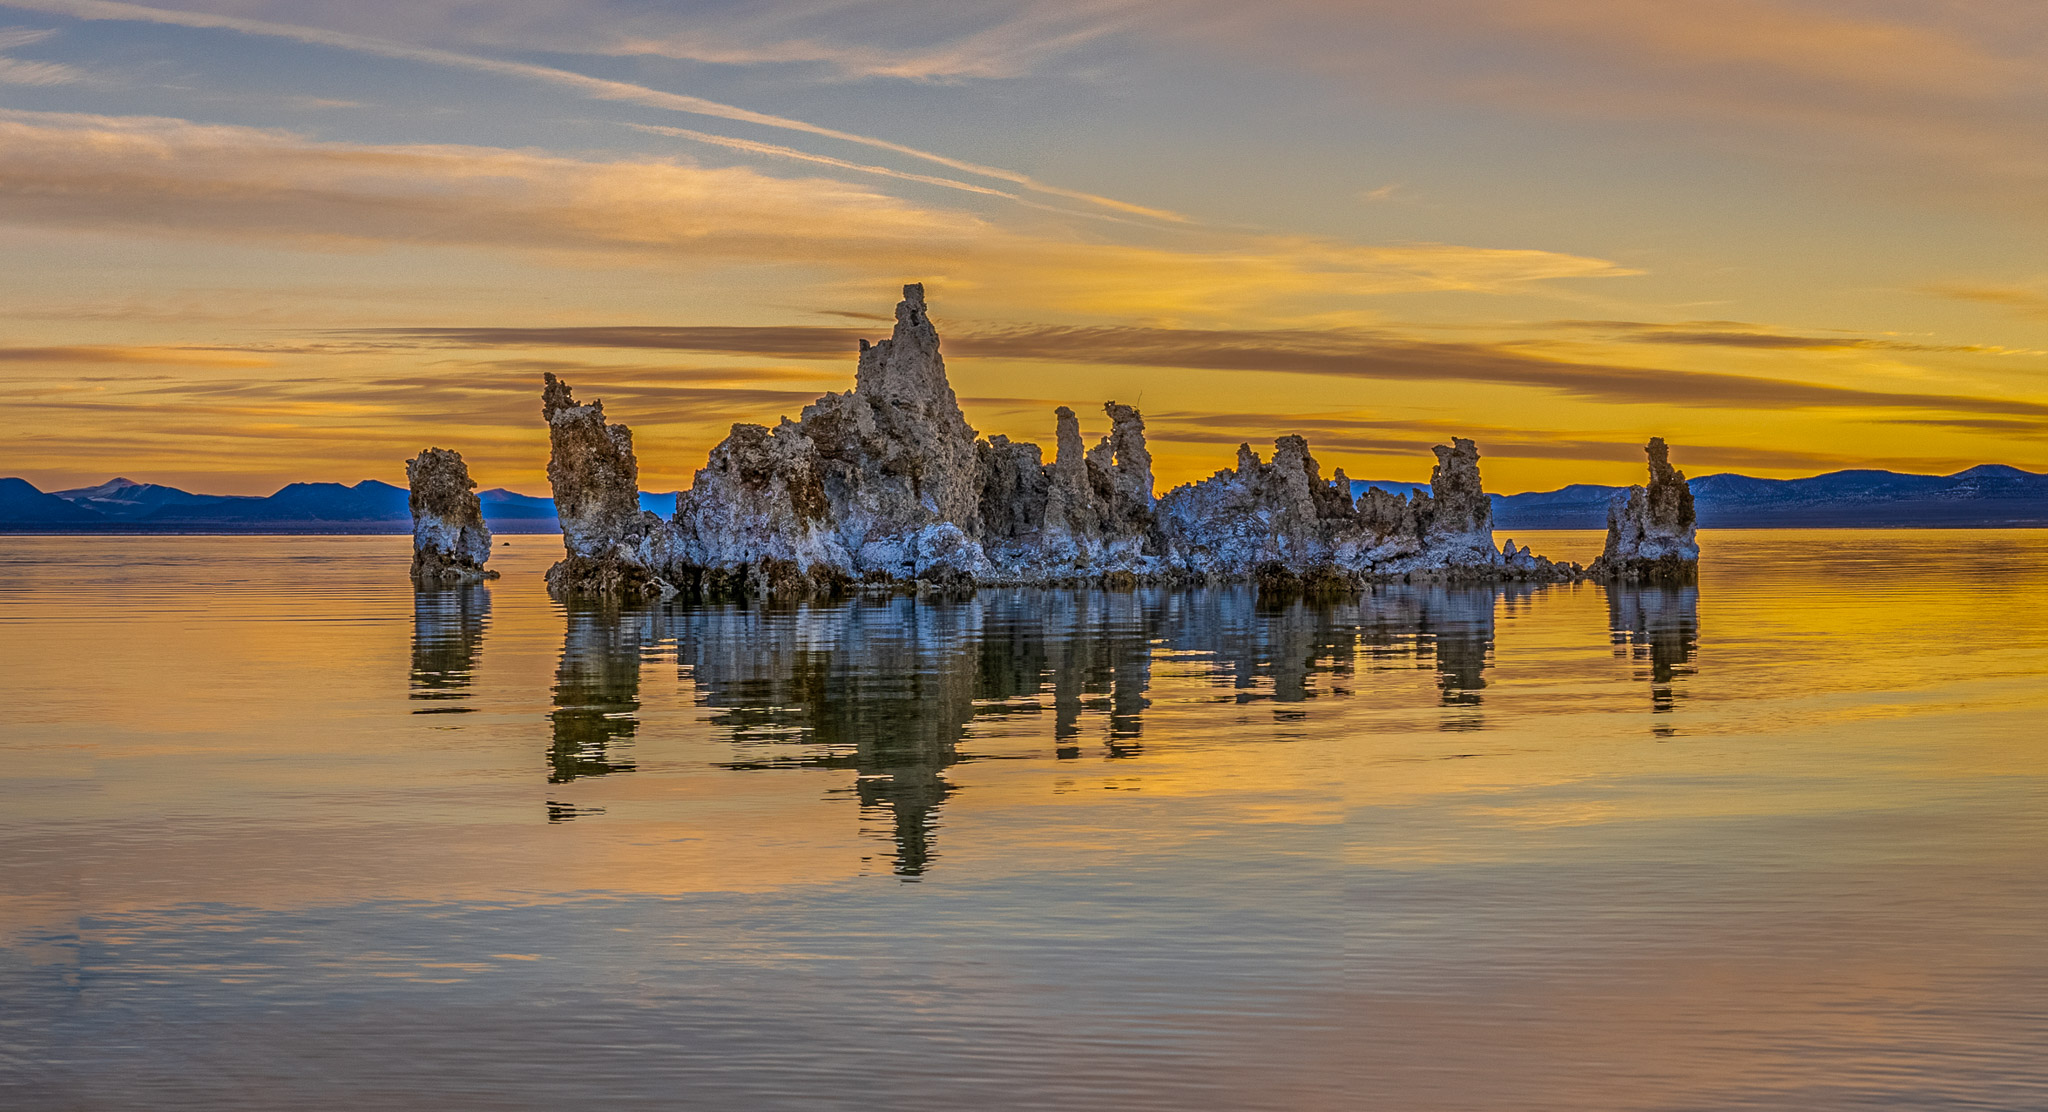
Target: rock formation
{"points": [[1652, 533], [1457, 521], [1282, 524], [887, 484], [614, 547], [450, 541]]}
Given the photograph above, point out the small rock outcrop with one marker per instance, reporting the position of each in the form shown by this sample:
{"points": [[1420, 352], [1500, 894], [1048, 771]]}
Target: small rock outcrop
{"points": [[614, 548], [886, 485], [1652, 531], [1283, 525], [450, 541], [1232, 523]]}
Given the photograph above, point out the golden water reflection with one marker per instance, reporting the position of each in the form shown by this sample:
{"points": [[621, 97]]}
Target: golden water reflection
{"points": [[886, 688], [1769, 843]]}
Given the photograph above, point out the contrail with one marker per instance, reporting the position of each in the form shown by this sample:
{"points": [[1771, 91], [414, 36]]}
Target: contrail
{"points": [[752, 147], [596, 87]]}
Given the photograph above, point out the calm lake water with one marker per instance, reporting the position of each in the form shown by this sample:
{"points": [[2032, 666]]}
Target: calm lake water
{"points": [[278, 832]]}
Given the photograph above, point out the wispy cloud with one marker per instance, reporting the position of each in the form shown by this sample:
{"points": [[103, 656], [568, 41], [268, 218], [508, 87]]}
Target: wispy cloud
{"points": [[1737, 334], [2026, 300], [1343, 353], [11, 37], [751, 147], [1364, 434], [1942, 96], [916, 41], [173, 177], [14, 71], [594, 87], [106, 354]]}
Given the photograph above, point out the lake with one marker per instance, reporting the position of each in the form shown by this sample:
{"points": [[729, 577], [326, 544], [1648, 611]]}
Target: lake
{"points": [[277, 831]]}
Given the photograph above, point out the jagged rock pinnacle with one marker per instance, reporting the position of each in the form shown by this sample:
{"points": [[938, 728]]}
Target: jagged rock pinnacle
{"points": [[613, 547], [1652, 531], [887, 483]]}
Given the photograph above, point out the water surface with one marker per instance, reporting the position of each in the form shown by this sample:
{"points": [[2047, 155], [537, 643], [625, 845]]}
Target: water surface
{"points": [[278, 831]]}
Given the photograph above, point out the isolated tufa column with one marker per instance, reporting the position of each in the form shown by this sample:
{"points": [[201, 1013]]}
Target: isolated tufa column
{"points": [[450, 541], [1652, 531]]}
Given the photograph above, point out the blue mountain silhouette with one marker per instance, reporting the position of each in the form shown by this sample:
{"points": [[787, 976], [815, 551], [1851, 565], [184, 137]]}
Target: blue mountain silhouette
{"points": [[370, 506], [1988, 495]]}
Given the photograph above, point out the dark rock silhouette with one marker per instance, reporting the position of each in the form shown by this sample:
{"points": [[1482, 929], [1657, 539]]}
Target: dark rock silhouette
{"points": [[450, 541], [1652, 532]]}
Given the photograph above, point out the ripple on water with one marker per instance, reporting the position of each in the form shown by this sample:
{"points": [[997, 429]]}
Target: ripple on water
{"points": [[278, 830]]}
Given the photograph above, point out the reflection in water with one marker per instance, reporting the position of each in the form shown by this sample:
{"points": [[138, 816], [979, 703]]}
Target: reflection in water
{"points": [[447, 635], [1659, 626], [882, 689], [597, 694], [886, 688]]}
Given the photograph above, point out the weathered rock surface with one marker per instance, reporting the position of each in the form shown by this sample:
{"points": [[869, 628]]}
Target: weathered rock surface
{"points": [[887, 484], [1652, 531], [614, 548], [1283, 525], [1457, 521], [450, 541]]}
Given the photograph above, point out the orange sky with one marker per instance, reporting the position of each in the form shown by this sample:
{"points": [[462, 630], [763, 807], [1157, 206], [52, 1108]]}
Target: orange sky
{"points": [[259, 241]]}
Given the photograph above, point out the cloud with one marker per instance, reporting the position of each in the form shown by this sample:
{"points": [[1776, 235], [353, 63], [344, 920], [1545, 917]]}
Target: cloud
{"points": [[2027, 301], [1344, 353], [914, 41], [505, 396], [594, 87], [1372, 355], [11, 37], [14, 71], [1331, 434], [1736, 334], [792, 153], [2002, 426], [787, 341], [1947, 96], [1942, 95], [177, 178], [930, 41], [104, 354]]}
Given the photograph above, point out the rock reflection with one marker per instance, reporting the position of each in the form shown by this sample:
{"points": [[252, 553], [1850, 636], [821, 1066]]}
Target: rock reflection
{"points": [[882, 689], [447, 637], [1452, 628], [597, 693], [1660, 627], [886, 689]]}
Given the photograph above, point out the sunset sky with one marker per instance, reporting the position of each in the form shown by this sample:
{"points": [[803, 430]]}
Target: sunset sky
{"points": [[249, 242]]}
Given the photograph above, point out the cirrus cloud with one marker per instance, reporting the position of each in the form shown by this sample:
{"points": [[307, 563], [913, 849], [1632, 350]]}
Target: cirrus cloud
{"points": [[179, 178]]}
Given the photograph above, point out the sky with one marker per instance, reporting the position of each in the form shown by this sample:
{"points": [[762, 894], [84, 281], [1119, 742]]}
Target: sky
{"points": [[250, 242]]}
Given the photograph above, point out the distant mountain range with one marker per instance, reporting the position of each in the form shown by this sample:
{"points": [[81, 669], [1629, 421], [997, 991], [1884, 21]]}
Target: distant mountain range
{"points": [[1988, 496], [126, 506]]}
